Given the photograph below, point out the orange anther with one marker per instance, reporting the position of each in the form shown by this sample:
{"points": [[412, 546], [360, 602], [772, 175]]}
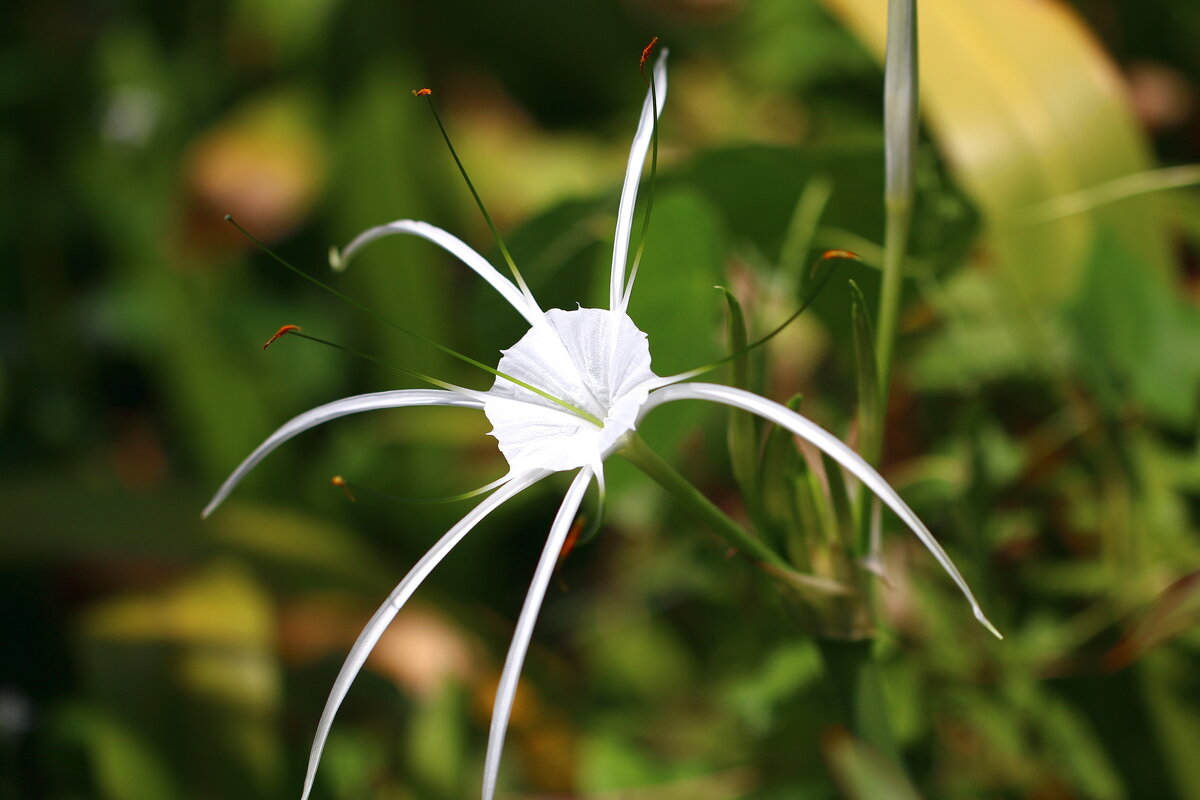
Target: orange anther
{"points": [[645, 55], [571, 540], [340, 482], [284, 330], [422, 92], [828, 254]]}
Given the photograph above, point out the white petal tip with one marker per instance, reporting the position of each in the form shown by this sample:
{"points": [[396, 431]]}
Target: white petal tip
{"points": [[336, 262], [985, 622]]}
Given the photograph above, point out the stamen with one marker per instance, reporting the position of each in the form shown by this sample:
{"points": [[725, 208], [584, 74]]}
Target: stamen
{"points": [[340, 482], [571, 540], [579, 535], [817, 283], [818, 279], [645, 55], [448, 351], [641, 245], [346, 486], [283, 331], [508, 259], [846, 254], [295, 331]]}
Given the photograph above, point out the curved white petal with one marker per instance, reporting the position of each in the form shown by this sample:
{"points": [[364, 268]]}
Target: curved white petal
{"points": [[511, 673], [523, 302], [396, 600], [338, 408], [593, 359], [618, 298], [837, 450]]}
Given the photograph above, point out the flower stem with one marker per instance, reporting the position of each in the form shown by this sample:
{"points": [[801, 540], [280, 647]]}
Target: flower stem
{"points": [[900, 109], [899, 218], [858, 690], [638, 453], [850, 665], [900, 98]]}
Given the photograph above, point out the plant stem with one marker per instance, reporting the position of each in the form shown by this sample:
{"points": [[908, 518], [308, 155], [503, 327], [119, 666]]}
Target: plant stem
{"points": [[851, 669], [899, 219], [900, 98], [641, 456], [850, 665]]}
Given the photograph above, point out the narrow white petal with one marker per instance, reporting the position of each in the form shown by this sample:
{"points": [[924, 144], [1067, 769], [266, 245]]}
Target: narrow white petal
{"points": [[507, 689], [524, 303], [338, 408], [396, 600], [837, 450], [633, 175]]}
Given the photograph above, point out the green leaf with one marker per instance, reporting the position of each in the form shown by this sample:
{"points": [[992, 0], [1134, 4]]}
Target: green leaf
{"points": [[743, 432], [786, 496], [1169, 682], [1131, 330], [193, 670], [841, 516], [862, 773], [673, 300], [438, 742], [870, 417], [802, 228], [1176, 611], [128, 763], [866, 373], [737, 339], [1025, 105]]}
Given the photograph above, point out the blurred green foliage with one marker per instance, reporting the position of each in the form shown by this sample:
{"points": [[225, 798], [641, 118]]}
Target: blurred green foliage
{"points": [[1052, 447]]}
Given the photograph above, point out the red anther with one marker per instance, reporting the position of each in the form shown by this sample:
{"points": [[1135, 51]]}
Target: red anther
{"points": [[340, 482], [850, 254], [571, 540], [284, 330], [422, 92], [645, 55]]}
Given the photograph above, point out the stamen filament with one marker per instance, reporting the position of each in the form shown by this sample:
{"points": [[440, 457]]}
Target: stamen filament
{"points": [[346, 486], [809, 297], [641, 245], [294, 331], [508, 259], [645, 56], [283, 331], [448, 351], [340, 482]]}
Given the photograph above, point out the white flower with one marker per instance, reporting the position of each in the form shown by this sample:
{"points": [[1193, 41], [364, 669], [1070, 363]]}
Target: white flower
{"points": [[572, 391]]}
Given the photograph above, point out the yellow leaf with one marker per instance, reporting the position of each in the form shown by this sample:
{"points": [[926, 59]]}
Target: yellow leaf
{"points": [[1026, 107]]}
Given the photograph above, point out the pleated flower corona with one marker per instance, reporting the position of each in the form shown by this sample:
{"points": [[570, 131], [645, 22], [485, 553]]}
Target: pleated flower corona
{"points": [[569, 394]]}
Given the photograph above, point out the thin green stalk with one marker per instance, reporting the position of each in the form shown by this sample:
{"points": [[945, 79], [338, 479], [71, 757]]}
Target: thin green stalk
{"points": [[850, 665], [900, 107], [462, 170], [858, 690], [699, 506], [900, 90], [386, 321], [1123, 188], [899, 219]]}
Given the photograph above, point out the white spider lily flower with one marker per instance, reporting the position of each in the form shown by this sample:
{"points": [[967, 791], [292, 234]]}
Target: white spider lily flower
{"points": [[569, 394]]}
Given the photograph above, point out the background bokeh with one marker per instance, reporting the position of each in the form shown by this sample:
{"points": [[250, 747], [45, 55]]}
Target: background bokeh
{"points": [[1043, 419]]}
